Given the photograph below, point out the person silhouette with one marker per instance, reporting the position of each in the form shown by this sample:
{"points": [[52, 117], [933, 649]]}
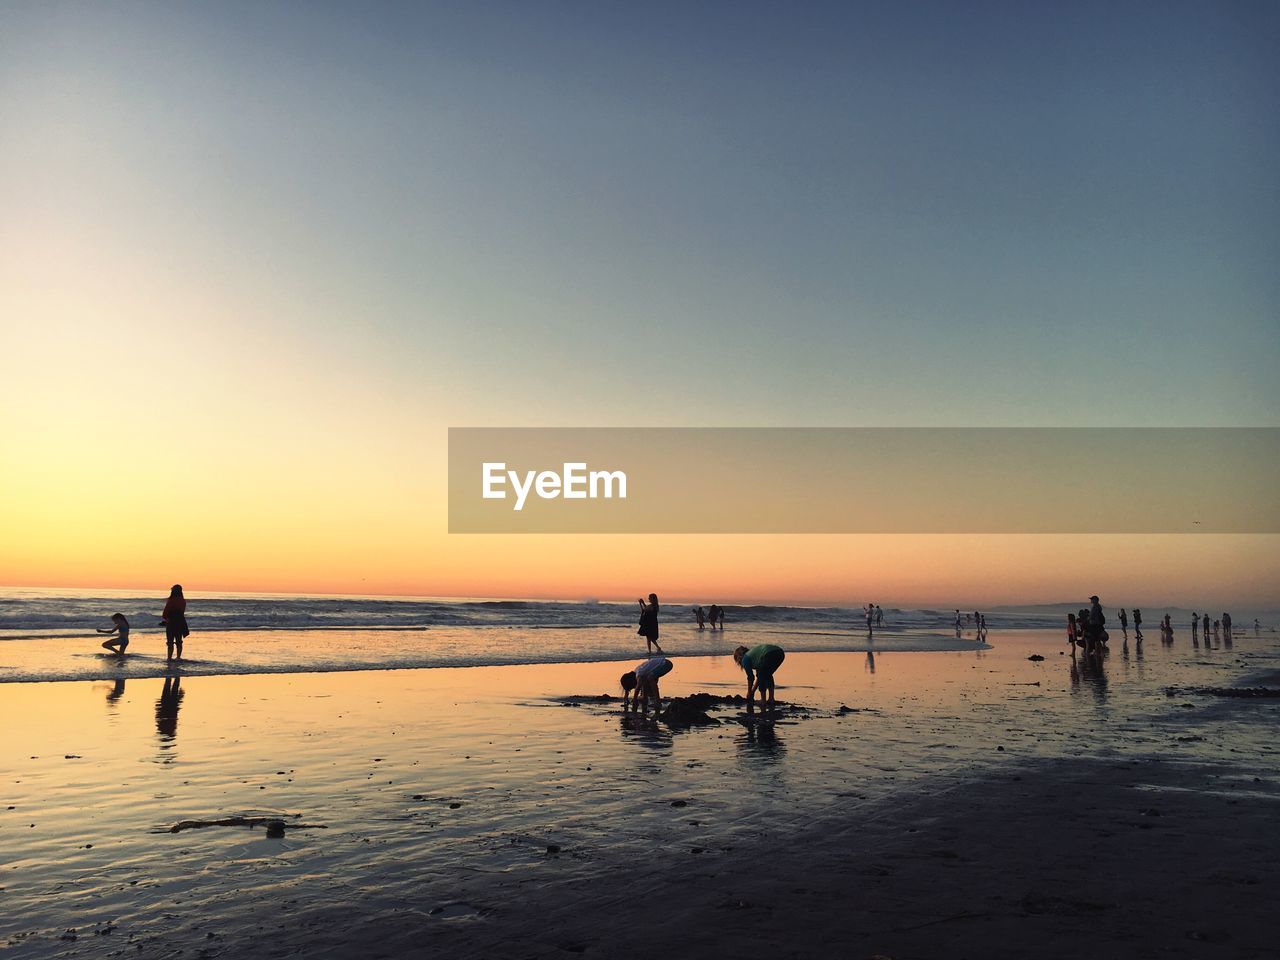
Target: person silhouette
{"points": [[174, 619], [759, 663], [119, 643], [642, 683], [649, 623]]}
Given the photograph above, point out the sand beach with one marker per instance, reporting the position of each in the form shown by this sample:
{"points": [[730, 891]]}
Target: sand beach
{"points": [[908, 804]]}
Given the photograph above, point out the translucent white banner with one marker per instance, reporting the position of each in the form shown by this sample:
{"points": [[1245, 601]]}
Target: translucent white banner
{"points": [[864, 480]]}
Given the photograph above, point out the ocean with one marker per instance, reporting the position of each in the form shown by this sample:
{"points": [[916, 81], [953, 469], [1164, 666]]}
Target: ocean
{"points": [[49, 634]]}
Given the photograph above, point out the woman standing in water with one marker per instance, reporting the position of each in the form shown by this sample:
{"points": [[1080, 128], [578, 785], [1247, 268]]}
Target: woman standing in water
{"points": [[174, 619], [649, 623], [760, 663]]}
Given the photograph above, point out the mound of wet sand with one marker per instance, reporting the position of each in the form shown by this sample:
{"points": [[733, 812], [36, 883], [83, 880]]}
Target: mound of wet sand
{"points": [[689, 711], [693, 710]]}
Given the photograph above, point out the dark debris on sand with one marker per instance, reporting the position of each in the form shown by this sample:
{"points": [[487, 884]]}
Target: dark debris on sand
{"points": [[275, 825], [1240, 693]]}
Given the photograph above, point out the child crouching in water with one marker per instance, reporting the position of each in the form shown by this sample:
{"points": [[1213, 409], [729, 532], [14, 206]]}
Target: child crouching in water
{"points": [[642, 684], [118, 643]]}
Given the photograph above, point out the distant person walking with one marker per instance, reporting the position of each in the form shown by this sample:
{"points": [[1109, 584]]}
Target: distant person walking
{"points": [[701, 616], [959, 625], [642, 684], [760, 663], [1166, 628], [869, 611], [1073, 632], [720, 617], [1124, 621], [1137, 623], [1195, 625], [649, 623], [120, 627], [982, 626], [879, 615], [1226, 627], [1205, 623], [713, 612], [174, 619]]}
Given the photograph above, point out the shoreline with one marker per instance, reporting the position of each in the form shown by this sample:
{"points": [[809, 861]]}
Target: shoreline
{"points": [[69, 660]]}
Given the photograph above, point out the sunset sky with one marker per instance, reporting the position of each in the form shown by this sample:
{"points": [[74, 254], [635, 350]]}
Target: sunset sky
{"points": [[255, 260]]}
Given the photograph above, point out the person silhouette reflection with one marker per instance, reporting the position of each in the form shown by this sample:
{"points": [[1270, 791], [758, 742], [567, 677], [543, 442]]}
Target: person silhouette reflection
{"points": [[761, 740], [167, 709], [645, 731], [1094, 673]]}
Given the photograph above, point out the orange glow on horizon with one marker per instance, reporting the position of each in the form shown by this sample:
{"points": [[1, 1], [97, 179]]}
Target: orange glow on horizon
{"points": [[903, 570]]}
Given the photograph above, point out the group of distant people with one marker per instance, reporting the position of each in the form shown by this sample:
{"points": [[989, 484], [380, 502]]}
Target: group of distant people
{"points": [[713, 615], [173, 619], [874, 615], [977, 619], [1087, 630], [1222, 628]]}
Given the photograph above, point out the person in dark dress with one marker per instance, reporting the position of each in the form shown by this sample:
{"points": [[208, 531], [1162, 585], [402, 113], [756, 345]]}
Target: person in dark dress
{"points": [[174, 619], [649, 623]]}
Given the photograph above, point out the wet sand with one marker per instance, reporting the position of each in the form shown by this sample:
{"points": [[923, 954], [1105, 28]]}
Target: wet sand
{"points": [[964, 804]]}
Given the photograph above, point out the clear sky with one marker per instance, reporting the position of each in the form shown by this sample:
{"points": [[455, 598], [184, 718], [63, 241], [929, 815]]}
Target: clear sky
{"points": [[255, 259]]}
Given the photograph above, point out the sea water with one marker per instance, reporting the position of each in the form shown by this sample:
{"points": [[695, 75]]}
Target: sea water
{"points": [[50, 634]]}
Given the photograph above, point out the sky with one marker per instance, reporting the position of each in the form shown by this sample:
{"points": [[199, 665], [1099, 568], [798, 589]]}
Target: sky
{"points": [[256, 259]]}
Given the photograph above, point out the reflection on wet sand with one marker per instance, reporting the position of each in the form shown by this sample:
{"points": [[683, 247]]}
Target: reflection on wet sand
{"points": [[116, 692], [645, 731], [760, 741], [167, 711], [1091, 670]]}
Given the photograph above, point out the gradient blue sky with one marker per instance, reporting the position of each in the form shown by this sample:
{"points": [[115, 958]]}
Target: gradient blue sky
{"points": [[719, 213], [311, 237]]}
